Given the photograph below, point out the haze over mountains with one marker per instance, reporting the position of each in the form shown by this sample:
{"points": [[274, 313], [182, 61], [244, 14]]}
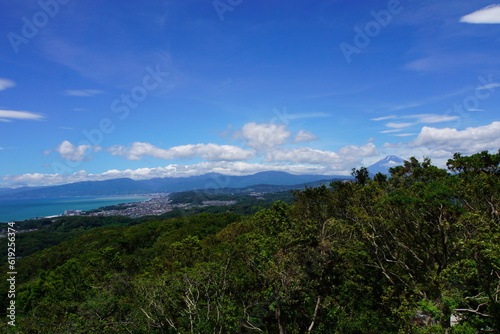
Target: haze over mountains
{"points": [[126, 186]]}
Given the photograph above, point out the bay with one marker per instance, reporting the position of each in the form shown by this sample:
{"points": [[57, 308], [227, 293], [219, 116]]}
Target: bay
{"points": [[29, 208]]}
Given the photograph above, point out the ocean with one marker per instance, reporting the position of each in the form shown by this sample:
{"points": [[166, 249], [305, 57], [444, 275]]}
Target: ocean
{"points": [[22, 209]]}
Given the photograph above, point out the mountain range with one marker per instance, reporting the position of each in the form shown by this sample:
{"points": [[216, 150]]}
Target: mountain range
{"points": [[126, 186]]}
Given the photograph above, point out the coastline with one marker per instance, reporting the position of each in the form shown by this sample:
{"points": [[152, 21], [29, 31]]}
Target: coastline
{"points": [[39, 208]]}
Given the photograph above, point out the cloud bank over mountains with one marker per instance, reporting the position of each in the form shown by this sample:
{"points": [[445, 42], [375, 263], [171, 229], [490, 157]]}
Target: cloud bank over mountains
{"points": [[266, 147]]}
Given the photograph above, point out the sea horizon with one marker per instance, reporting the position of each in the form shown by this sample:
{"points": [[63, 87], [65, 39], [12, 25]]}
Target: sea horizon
{"points": [[19, 209]]}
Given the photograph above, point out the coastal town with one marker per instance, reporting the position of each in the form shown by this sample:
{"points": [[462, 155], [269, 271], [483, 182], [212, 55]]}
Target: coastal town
{"points": [[157, 205]]}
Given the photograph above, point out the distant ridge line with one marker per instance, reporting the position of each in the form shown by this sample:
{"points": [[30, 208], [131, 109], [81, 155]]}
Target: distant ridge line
{"points": [[127, 186]]}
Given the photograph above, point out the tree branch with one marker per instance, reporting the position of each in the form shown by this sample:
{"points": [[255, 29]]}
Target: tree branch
{"points": [[314, 315]]}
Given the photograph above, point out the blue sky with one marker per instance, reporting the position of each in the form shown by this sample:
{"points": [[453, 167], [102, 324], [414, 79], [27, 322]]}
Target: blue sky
{"points": [[93, 90]]}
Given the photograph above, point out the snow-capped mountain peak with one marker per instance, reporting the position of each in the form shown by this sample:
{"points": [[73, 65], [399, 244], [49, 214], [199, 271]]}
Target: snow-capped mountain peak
{"points": [[383, 165]]}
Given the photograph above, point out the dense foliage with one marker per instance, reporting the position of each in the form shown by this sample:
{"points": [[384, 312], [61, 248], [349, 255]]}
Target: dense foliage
{"points": [[45, 232], [385, 255]]}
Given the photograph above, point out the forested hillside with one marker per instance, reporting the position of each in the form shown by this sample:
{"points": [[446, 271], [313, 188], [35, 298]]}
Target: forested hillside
{"points": [[398, 254]]}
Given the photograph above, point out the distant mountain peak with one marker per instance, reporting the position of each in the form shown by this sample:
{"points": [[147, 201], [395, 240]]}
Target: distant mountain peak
{"points": [[383, 165], [392, 158]]}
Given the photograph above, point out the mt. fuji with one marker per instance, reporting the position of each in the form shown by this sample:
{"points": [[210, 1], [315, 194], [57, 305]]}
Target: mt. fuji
{"points": [[383, 165]]}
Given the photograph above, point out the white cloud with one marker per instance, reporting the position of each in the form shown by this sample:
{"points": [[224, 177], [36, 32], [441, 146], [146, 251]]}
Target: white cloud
{"points": [[346, 158], [210, 152], [292, 117], [7, 115], [384, 118], [304, 136], [489, 15], [83, 92], [263, 137], [285, 117], [303, 155], [70, 152], [417, 119], [367, 150], [404, 134], [391, 145], [390, 131], [449, 140], [398, 125], [6, 83], [431, 118]]}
